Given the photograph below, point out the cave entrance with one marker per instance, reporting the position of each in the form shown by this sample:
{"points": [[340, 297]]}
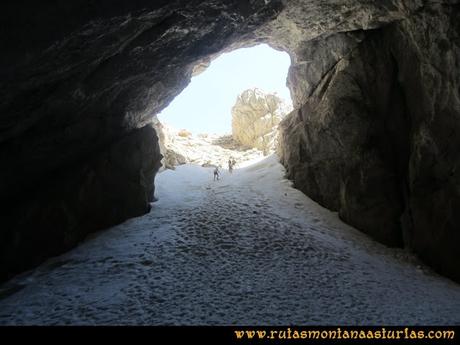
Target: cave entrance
{"points": [[230, 110]]}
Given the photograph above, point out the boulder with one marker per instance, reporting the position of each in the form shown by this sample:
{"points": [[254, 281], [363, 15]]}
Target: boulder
{"points": [[255, 119]]}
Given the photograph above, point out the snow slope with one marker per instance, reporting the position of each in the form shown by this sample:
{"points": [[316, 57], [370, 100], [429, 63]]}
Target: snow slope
{"points": [[248, 249]]}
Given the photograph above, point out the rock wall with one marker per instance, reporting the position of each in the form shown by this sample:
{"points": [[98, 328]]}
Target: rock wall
{"points": [[103, 190], [166, 136], [162, 137], [427, 48], [340, 147], [376, 133], [255, 119]]}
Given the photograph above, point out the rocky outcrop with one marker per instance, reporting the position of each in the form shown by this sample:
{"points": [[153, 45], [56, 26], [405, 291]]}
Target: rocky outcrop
{"points": [[376, 133], [208, 150], [166, 139], [81, 80], [255, 119]]}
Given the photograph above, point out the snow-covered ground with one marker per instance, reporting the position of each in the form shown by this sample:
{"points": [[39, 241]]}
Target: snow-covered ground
{"points": [[248, 249]]}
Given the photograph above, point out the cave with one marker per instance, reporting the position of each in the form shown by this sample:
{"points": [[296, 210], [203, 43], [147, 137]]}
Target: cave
{"points": [[374, 133]]}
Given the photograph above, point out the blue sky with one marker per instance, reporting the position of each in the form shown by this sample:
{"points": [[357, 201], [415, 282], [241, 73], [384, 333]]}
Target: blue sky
{"points": [[205, 105]]}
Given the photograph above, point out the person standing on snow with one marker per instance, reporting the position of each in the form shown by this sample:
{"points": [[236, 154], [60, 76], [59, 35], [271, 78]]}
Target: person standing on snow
{"points": [[216, 173]]}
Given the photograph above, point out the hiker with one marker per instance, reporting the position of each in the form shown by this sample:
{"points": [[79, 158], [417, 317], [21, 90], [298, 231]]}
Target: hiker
{"points": [[216, 173], [233, 163], [230, 166]]}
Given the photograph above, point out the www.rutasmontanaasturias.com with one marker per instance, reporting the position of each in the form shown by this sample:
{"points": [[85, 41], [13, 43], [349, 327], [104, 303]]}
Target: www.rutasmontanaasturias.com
{"points": [[339, 333]]}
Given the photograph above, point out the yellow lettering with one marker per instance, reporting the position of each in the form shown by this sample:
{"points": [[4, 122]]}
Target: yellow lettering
{"points": [[250, 334], [261, 334], [239, 334], [313, 334]]}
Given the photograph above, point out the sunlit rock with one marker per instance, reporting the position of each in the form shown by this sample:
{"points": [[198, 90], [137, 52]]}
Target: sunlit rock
{"points": [[255, 119]]}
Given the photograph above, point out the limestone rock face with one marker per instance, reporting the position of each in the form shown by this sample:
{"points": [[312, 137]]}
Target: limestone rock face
{"points": [[374, 134], [166, 138], [376, 130], [339, 146], [255, 119]]}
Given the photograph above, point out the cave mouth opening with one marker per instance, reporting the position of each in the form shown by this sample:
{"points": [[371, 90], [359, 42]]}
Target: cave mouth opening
{"points": [[230, 110]]}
